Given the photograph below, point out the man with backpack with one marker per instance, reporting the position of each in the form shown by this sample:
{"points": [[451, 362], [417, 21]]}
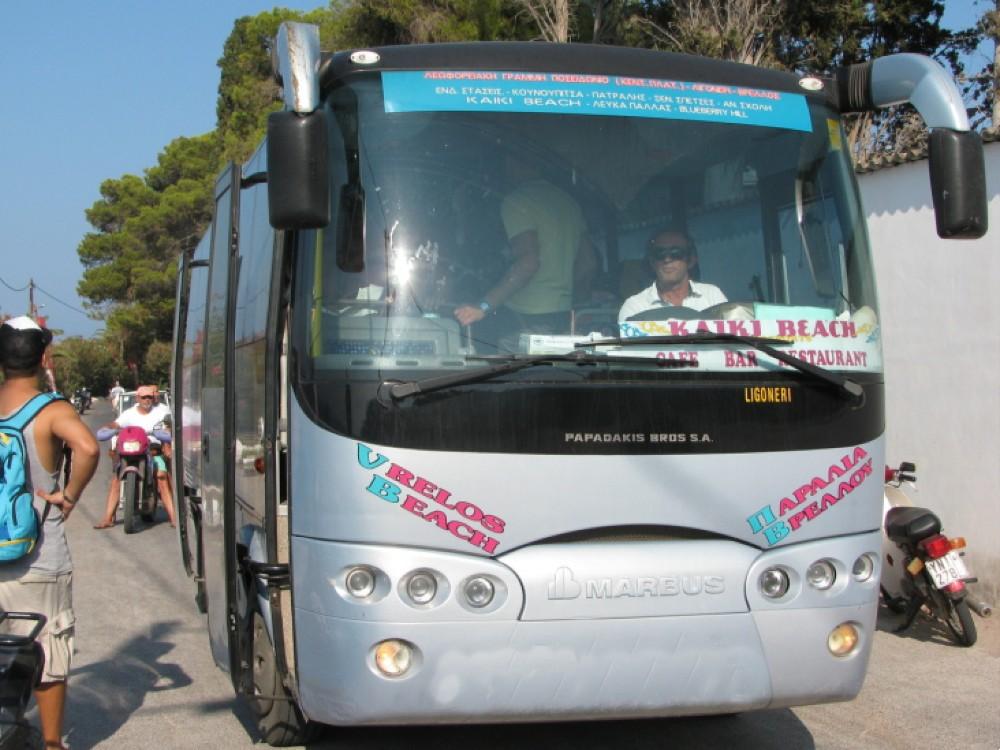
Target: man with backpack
{"points": [[36, 571]]}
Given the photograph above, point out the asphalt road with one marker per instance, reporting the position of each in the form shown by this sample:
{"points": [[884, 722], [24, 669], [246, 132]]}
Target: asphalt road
{"points": [[144, 677]]}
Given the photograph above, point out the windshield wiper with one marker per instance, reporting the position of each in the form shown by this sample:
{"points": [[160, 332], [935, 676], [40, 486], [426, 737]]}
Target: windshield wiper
{"points": [[508, 363], [765, 345]]}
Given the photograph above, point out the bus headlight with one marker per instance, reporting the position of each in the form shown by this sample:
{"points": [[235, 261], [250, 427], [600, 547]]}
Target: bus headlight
{"points": [[821, 575], [774, 583], [843, 639], [421, 587], [479, 591], [863, 568], [360, 582], [393, 658]]}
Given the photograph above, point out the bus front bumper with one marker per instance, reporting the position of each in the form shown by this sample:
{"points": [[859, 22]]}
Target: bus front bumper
{"points": [[578, 669]]}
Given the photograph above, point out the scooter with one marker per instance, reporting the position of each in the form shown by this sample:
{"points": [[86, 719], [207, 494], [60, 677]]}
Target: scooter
{"points": [[139, 491], [81, 400], [923, 569], [21, 662]]}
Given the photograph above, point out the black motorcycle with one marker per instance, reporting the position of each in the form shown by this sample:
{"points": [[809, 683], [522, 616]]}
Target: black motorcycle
{"points": [[82, 400], [21, 663], [923, 568]]}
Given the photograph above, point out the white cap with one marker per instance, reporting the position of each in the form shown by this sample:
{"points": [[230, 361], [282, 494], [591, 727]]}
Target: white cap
{"points": [[22, 323]]}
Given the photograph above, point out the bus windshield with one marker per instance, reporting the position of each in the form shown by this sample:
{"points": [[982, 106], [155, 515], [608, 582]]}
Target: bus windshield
{"points": [[493, 234]]}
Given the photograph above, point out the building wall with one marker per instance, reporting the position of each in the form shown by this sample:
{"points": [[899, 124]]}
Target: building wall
{"points": [[940, 309]]}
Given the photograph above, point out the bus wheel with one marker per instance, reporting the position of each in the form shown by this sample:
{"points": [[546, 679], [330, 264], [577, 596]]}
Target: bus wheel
{"points": [[279, 720]]}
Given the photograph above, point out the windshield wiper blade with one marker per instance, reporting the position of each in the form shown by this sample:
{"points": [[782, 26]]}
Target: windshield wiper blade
{"points": [[506, 364], [765, 345]]}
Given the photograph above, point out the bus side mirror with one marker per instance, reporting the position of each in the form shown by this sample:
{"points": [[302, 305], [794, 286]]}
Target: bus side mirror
{"points": [[298, 185], [958, 183]]}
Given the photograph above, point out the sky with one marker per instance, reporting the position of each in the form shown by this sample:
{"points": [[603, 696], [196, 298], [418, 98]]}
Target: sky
{"points": [[96, 90]]}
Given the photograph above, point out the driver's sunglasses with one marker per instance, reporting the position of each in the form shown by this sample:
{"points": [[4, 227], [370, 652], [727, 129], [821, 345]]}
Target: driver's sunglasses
{"points": [[661, 253], [143, 398]]}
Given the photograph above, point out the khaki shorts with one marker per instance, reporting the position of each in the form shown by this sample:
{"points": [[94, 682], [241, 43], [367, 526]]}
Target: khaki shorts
{"points": [[53, 597]]}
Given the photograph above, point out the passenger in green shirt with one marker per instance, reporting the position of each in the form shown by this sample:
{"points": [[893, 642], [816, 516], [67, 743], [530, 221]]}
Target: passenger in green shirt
{"points": [[553, 261]]}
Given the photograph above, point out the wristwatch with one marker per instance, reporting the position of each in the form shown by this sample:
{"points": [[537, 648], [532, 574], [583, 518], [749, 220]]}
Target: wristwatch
{"points": [[485, 306]]}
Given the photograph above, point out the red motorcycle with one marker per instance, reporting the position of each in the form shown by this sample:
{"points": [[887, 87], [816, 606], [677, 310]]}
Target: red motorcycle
{"points": [[137, 474]]}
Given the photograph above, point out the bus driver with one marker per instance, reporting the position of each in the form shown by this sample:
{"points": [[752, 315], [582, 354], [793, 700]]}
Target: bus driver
{"points": [[672, 257]]}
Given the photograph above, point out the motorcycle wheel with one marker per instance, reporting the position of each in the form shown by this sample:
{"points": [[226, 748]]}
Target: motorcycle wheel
{"points": [[149, 505], [131, 492], [958, 618]]}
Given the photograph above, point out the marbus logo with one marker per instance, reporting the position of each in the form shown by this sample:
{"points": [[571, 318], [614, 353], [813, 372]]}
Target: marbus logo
{"points": [[565, 586]]}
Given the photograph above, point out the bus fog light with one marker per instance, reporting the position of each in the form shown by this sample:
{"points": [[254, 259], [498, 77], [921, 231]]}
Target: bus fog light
{"points": [[821, 575], [479, 591], [360, 582], [863, 568], [843, 639], [421, 587], [393, 658], [774, 583]]}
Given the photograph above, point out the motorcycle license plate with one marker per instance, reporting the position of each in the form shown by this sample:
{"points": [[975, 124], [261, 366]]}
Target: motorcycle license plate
{"points": [[947, 569]]}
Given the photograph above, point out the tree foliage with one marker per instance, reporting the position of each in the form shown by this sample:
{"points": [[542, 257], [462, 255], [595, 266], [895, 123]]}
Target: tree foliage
{"points": [[382, 22], [142, 225], [90, 363], [156, 365], [824, 34]]}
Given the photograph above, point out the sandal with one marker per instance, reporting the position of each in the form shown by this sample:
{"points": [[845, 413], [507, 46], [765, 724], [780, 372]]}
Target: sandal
{"points": [[105, 525]]}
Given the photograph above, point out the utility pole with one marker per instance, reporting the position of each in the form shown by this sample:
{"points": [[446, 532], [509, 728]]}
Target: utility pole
{"points": [[48, 365]]}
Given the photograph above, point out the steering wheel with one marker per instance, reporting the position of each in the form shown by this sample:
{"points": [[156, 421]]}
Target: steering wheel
{"points": [[730, 311], [671, 312], [721, 311]]}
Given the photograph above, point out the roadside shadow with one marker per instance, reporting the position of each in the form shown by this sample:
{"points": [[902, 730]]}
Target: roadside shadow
{"points": [[103, 695], [241, 710], [762, 730], [924, 629]]}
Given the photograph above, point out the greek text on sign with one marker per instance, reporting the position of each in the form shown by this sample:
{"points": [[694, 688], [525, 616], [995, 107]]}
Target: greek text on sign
{"points": [[837, 482], [621, 96]]}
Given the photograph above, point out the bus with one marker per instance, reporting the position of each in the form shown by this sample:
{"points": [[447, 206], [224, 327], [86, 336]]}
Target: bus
{"points": [[398, 511]]}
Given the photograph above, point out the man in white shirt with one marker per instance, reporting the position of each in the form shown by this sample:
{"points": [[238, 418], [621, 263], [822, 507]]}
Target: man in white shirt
{"points": [[672, 257], [116, 394], [147, 414]]}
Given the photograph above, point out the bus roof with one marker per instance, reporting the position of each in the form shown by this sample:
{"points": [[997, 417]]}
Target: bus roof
{"points": [[564, 58]]}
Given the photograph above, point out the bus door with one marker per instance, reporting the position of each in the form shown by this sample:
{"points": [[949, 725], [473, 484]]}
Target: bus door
{"points": [[216, 419], [189, 339]]}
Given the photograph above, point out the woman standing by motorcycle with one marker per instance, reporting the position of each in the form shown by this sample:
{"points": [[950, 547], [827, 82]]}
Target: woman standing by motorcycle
{"points": [[147, 414]]}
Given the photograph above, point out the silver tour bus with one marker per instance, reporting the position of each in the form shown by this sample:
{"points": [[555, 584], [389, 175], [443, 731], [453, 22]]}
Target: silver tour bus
{"points": [[446, 452]]}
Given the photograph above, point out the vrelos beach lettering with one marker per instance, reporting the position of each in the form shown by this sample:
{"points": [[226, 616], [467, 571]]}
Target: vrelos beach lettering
{"points": [[429, 501]]}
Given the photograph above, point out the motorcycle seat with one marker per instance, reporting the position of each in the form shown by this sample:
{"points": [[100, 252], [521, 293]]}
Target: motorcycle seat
{"points": [[909, 524]]}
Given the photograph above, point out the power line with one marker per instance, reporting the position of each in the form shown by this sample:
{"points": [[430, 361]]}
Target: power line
{"points": [[12, 288], [56, 299]]}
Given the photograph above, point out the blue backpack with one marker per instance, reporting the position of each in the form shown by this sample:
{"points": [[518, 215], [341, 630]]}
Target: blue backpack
{"points": [[19, 521]]}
